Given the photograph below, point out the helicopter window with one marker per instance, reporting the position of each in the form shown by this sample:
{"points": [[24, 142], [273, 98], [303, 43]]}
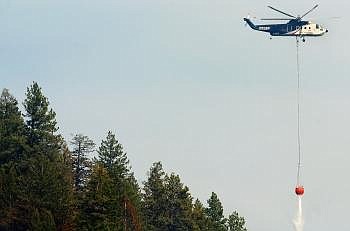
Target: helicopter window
{"points": [[309, 27], [317, 26]]}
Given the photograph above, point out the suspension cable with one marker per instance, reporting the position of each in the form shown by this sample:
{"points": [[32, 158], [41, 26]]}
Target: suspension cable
{"points": [[298, 110]]}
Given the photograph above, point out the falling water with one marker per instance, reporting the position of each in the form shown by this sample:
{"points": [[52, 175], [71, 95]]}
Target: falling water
{"points": [[298, 220]]}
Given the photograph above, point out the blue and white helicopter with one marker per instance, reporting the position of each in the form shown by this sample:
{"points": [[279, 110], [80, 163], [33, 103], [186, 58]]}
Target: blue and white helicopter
{"points": [[294, 27]]}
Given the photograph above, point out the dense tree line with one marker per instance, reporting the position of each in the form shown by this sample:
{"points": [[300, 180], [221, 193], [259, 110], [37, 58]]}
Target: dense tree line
{"points": [[47, 183]]}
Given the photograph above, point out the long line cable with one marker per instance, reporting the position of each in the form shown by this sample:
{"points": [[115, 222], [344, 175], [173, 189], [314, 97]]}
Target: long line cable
{"points": [[298, 111]]}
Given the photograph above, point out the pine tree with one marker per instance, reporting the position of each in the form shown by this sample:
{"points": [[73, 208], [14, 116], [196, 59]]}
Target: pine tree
{"points": [[8, 197], [12, 148], [236, 223], [215, 213], [178, 204], [38, 174], [45, 175], [41, 121], [97, 210], [12, 129], [132, 203], [113, 158], [199, 217], [154, 199], [167, 203], [82, 146]]}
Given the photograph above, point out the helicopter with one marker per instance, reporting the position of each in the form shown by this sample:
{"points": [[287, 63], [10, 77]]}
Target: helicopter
{"points": [[294, 27]]}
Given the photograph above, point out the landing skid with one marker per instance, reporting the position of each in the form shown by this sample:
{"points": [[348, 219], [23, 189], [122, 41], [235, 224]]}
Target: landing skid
{"points": [[297, 37]]}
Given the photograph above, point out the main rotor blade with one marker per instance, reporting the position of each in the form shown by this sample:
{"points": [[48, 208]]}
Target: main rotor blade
{"points": [[281, 12], [309, 11], [275, 19]]}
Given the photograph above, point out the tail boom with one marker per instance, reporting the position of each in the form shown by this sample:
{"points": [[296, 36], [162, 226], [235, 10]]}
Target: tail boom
{"points": [[263, 28]]}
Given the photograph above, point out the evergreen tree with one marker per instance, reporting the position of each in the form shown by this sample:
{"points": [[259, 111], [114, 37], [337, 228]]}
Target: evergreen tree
{"points": [[236, 223], [178, 204], [215, 214], [12, 147], [97, 209], [199, 217], [41, 121], [167, 203], [46, 189], [38, 174], [154, 199], [132, 203], [113, 158], [82, 146], [8, 197], [69, 222], [12, 129]]}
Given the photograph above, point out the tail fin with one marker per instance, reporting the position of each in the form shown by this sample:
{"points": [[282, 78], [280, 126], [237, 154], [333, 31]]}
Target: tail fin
{"points": [[247, 20]]}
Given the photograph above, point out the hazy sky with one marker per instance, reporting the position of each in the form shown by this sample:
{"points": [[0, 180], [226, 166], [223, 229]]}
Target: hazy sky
{"points": [[185, 82]]}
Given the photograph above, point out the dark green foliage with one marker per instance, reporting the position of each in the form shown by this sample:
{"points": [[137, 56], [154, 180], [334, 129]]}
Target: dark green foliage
{"points": [[46, 176], [8, 195], [167, 203], [82, 146], [39, 178], [12, 147], [42, 220], [98, 211], [41, 122], [154, 199], [199, 218], [113, 158], [44, 186], [215, 213], [124, 196], [132, 198], [12, 129], [236, 223], [178, 204]]}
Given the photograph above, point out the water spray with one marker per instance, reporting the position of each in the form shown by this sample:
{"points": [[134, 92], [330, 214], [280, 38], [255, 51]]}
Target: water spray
{"points": [[299, 220]]}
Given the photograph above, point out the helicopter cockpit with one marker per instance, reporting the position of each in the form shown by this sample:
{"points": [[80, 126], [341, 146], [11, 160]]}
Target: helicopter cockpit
{"points": [[313, 29]]}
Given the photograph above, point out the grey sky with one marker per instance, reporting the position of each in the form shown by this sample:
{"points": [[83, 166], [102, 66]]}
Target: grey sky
{"points": [[186, 83]]}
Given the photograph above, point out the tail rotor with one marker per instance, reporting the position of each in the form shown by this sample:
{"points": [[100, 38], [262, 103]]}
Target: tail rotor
{"points": [[249, 17]]}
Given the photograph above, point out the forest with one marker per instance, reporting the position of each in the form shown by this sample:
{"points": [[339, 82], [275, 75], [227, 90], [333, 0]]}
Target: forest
{"points": [[49, 183]]}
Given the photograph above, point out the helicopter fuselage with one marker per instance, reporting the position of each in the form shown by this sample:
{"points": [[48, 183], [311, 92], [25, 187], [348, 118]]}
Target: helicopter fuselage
{"points": [[292, 28]]}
